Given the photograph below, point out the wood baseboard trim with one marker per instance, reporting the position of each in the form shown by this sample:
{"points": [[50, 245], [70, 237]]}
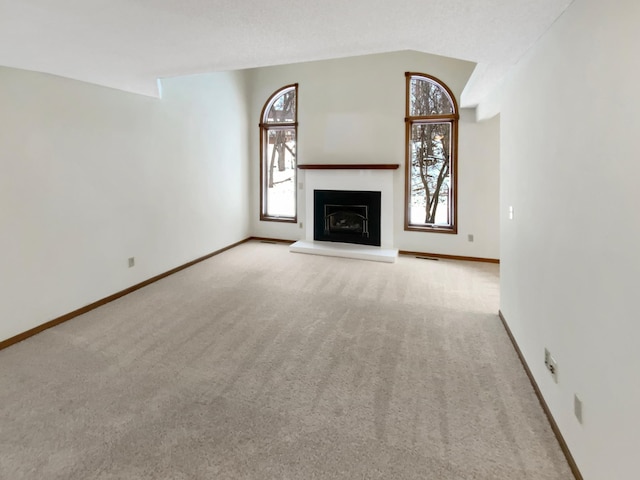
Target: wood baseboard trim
{"points": [[449, 257], [554, 426], [87, 308], [272, 240]]}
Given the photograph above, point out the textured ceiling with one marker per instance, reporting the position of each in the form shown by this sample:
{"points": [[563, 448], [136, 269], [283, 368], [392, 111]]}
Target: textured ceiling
{"points": [[128, 44]]}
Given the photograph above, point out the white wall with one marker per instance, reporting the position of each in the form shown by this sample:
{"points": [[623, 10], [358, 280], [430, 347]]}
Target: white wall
{"points": [[351, 110], [90, 176], [570, 258]]}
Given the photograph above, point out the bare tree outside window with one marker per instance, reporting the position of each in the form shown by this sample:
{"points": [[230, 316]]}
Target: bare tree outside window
{"points": [[431, 135], [278, 137], [430, 168]]}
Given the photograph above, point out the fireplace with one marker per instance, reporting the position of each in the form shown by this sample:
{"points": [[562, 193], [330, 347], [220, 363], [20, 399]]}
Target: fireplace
{"points": [[351, 240], [347, 216]]}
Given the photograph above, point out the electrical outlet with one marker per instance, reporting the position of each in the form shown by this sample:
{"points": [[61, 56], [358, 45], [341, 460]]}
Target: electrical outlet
{"points": [[551, 365], [510, 213], [547, 355], [132, 261], [470, 237], [300, 224], [577, 407]]}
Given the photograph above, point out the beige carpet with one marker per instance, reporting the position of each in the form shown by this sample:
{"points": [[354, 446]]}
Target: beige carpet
{"points": [[265, 364]]}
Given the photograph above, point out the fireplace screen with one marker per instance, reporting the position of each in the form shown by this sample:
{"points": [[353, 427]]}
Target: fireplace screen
{"points": [[346, 219], [347, 216]]}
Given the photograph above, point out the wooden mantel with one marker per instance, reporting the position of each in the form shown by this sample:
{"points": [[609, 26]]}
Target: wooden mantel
{"points": [[349, 166]]}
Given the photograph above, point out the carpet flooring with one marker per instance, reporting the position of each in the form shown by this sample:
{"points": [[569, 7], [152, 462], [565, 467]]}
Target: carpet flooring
{"points": [[264, 364]]}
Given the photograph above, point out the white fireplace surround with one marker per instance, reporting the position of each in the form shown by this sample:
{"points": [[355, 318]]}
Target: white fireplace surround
{"points": [[365, 178]]}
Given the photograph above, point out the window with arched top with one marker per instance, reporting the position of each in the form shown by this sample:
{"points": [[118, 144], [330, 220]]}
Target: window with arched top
{"points": [[278, 168], [431, 155]]}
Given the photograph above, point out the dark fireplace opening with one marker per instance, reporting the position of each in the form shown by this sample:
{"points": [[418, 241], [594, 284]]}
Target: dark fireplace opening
{"points": [[347, 216]]}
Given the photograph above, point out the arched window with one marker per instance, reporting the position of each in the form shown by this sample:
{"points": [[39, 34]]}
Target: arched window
{"points": [[431, 155], [278, 137]]}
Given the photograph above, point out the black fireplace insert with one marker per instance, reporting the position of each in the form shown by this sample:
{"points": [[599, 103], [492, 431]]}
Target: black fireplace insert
{"points": [[348, 216]]}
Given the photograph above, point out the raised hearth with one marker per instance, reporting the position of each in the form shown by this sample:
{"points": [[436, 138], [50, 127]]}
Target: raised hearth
{"points": [[345, 250]]}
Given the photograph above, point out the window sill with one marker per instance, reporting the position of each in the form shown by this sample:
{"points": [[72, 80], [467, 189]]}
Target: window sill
{"points": [[424, 228], [266, 218]]}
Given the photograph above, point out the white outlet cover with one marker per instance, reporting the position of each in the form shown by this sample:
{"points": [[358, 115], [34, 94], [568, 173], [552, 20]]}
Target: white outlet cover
{"points": [[577, 407]]}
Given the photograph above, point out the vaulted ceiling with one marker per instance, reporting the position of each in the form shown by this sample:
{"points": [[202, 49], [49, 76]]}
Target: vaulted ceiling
{"points": [[129, 44]]}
